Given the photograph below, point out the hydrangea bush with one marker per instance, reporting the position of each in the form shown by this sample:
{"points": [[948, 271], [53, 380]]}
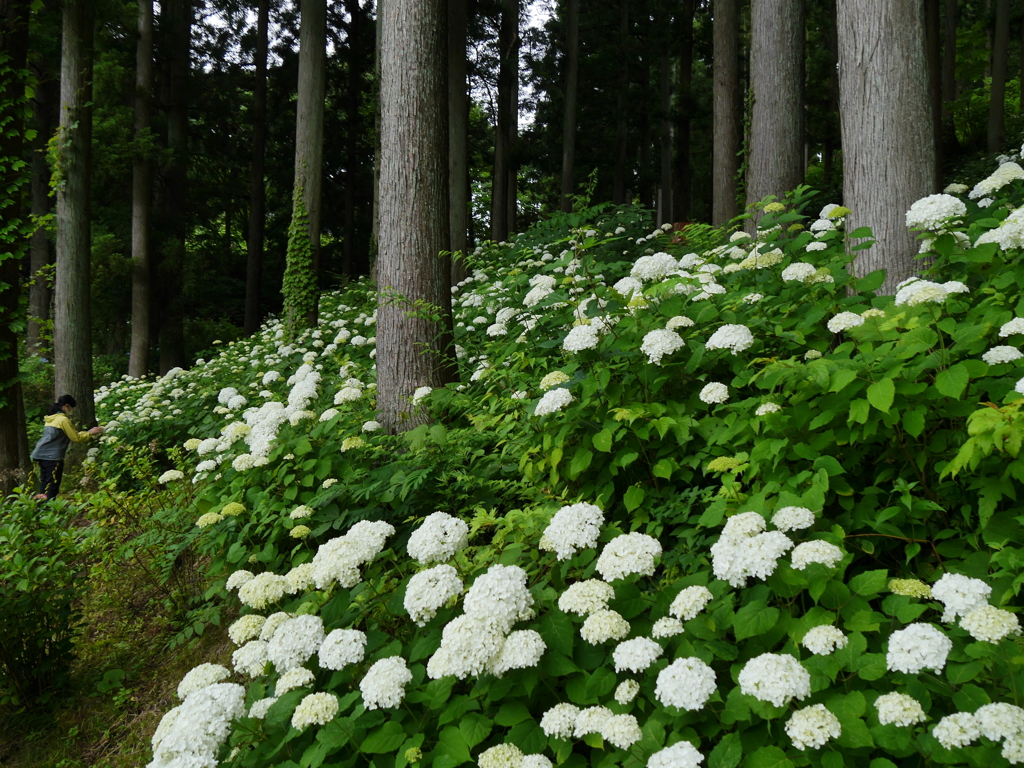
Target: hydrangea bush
{"points": [[754, 513]]}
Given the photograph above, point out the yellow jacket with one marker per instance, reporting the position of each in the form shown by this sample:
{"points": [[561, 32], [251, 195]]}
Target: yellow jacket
{"points": [[58, 434]]}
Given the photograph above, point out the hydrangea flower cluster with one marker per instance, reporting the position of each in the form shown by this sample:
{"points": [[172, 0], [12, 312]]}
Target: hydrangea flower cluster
{"points": [[917, 647], [746, 550], [438, 539], [735, 338], [775, 678], [573, 528], [685, 683], [628, 554]]}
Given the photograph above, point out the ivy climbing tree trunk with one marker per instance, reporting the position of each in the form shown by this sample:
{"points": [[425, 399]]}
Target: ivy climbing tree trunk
{"points": [[888, 156], [725, 162], [414, 326], [309, 128], [257, 184], [142, 195], [15, 176], [72, 315]]}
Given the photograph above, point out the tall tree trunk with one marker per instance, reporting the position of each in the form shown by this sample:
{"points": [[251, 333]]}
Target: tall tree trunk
{"points": [[375, 213], [949, 90], [776, 80], [309, 120], [888, 157], [350, 254], [175, 175], [932, 27], [684, 100], [257, 184], [727, 110], [414, 347], [508, 74], [41, 254], [829, 149], [619, 182], [142, 195], [15, 182], [645, 185], [665, 134], [572, 74], [512, 200], [458, 137], [1000, 56]]}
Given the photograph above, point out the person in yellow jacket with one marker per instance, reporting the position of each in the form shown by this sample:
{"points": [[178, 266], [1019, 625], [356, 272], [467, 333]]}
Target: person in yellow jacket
{"points": [[58, 434]]}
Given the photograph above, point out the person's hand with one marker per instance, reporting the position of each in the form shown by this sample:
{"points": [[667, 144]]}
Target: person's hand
{"points": [[96, 431]]}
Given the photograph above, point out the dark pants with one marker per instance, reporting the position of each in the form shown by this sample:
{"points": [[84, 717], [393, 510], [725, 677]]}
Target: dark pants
{"points": [[50, 474]]}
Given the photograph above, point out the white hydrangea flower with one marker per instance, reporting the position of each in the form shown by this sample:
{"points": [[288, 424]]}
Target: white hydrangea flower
{"points": [[957, 730], [170, 476], [295, 642], [622, 731], [262, 590], [960, 594], [990, 624], [372, 426], [586, 597], [824, 639], [1002, 354], [685, 683], [916, 647], [626, 691], [429, 590], [658, 266], [438, 538], [844, 321], [627, 554], [1002, 176], [636, 655], [1012, 327], [315, 709], [500, 593], [667, 627], [1000, 721], [793, 518], [246, 628], [742, 553], [765, 408], [920, 292], [680, 755], [735, 338], [932, 212], [899, 709], [192, 733], [522, 649], [260, 708], [468, 643], [590, 720], [250, 659], [342, 647], [553, 401], [815, 552], [680, 321], [659, 343], [237, 579], [573, 528], [272, 624], [553, 379], [775, 678], [581, 337], [812, 726], [559, 722], [713, 393], [602, 626], [383, 687], [501, 756], [689, 602], [201, 677], [299, 677], [301, 577], [799, 272], [628, 286]]}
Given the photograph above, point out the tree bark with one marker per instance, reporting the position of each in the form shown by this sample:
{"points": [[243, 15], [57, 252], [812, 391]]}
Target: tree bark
{"points": [[727, 111], [949, 89], [572, 73], [665, 135], [414, 346], [14, 181], [776, 79], [619, 182], [72, 332], [508, 74], [1000, 55], [257, 183], [458, 137], [512, 201], [175, 177], [831, 134], [932, 27], [41, 253], [684, 100], [375, 213], [309, 120], [888, 156], [350, 254], [142, 195]]}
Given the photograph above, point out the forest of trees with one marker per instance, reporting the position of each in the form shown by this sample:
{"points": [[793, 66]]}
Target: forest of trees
{"points": [[167, 173]]}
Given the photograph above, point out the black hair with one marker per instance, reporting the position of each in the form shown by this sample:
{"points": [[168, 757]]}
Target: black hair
{"points": [[61, 402]]}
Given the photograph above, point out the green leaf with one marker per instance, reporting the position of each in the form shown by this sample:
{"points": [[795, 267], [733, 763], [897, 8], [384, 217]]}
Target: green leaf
{"points": [[580, 461], [873, 280], [859, 410], [727, 753], [870, 582], [841, 378], [958, 674], [913, 422], [880, 394], [603, 441], [754, 619], [952, 381], [512, 712], [768, 757], [454, 744], [475, 728], [385, 739], [634, 497]]}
